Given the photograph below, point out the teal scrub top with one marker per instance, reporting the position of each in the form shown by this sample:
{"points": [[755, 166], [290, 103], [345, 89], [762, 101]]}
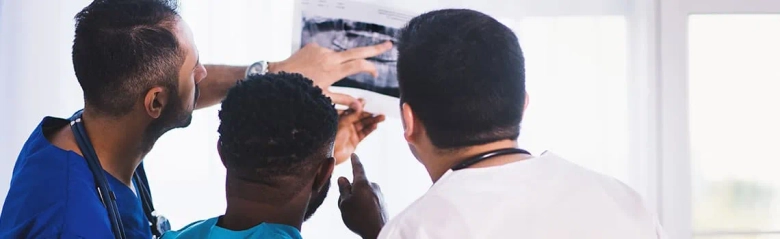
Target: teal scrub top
{"points": [[209, 229]]}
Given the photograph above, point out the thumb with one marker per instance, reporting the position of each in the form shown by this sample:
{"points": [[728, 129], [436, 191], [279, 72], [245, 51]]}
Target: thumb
{"points": [[345, 188], [344, 99], [352, 116]]}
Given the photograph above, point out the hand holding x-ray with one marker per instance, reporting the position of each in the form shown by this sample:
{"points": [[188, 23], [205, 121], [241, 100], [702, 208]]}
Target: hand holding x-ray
{"points": [[343, 26], [325, 66]]}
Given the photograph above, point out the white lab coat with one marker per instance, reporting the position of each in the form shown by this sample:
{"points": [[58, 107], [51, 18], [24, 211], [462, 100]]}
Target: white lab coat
{"points": [[545, 197]]}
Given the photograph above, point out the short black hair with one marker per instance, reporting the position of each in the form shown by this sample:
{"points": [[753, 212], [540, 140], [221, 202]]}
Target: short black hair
{"points": [[275, 127], [123, 48], [462, 72]]}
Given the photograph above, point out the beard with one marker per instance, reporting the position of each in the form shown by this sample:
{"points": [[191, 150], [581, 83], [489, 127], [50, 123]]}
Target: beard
{"points": [[174, 116], [317, 201]]}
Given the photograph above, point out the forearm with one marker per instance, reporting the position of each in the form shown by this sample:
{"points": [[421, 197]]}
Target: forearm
{"points": [[217, 83]]}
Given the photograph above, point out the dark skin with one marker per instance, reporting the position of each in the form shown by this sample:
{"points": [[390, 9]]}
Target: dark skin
{"points": [[248, 204], [361, 203], [244, 197]]}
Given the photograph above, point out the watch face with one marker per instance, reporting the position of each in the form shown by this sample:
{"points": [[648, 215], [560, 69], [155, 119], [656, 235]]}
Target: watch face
{"points": [[257, 68]]}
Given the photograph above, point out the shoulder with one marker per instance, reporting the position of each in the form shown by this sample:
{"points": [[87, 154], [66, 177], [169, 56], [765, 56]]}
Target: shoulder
{"points": [[51, 189], [621, 193], [431, 216], [56, 212], [198, 229], [615, 193]]}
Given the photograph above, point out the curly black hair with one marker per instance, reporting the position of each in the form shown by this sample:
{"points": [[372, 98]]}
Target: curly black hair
{"points": [[274, 126]]}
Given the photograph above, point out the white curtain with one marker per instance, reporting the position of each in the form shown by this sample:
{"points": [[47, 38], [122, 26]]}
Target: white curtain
{"points": [[577, 66]]}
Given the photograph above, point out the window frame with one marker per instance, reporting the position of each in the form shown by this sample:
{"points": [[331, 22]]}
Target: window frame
{"points": [[675, 201]]}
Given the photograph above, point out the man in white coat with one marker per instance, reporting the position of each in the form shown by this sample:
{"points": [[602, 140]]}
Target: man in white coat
{"points": [[462, 83]]}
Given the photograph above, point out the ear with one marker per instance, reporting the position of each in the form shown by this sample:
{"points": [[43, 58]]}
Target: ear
{"points": [[408, 119], [525, 106], [156, 99], [219, 152], [323, 174]]}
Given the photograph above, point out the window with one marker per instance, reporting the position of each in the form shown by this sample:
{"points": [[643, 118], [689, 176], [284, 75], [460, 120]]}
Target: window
{"points": [[577, 80], [577, 85], [733, 118]]}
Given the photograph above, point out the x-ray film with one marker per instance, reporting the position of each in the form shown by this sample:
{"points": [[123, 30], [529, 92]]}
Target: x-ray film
{"points": [[343, 25]]}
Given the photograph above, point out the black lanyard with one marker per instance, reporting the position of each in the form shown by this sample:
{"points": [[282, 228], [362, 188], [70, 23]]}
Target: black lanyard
{"points": [[487, 155], [158, 224]]}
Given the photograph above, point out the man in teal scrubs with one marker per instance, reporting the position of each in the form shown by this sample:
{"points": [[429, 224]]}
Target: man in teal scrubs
{"points": [[276, 140], [141, 77]]}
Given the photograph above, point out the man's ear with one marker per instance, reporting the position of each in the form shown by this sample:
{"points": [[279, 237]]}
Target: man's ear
{"points": [[525, 106], [408, 119], [219, 152], [323, 174], [155, 101]]}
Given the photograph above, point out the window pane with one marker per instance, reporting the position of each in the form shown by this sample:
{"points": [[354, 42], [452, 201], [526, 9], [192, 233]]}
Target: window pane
{"points": [[735, 121], [576, 80]]}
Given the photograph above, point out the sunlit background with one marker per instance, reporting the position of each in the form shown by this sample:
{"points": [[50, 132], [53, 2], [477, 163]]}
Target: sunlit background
{"points": [[675, 101]]}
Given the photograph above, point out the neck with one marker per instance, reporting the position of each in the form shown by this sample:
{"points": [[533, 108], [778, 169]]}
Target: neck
{"points": [[440, 161], [118, 143], [250, 204]]}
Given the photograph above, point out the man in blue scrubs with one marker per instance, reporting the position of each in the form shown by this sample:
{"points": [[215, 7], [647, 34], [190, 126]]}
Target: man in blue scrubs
{"points": [[141, 76], [277, 134]]}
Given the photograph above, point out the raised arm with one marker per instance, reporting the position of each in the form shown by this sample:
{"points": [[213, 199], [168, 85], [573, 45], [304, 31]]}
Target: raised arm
{"points": [[219, 79], [322, 65]]}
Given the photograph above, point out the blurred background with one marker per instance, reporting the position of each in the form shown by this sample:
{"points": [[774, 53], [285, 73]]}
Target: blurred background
{"points": [[676, 98]]}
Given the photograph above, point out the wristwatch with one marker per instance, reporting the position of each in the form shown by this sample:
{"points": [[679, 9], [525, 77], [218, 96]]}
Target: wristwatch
{"points": [[258, 68]]}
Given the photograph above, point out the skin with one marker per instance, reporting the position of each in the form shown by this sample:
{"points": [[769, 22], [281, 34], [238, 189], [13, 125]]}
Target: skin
{"points": [[248, 204], [324, 66], [361, 202], [437, 161], [354, 126], [122, 142]]}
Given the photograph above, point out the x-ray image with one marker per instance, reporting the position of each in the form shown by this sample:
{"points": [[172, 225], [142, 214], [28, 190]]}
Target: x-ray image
{"points": [[340, 35]]}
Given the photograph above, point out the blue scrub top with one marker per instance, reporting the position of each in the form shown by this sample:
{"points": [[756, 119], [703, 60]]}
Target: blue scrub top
{"points": [[53, 195]]}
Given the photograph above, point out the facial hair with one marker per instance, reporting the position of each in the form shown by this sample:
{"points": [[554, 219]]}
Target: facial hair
{"points": [[317, 201], [173, 116]]}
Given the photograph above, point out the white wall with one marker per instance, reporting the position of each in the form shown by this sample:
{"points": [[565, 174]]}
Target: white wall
{"points": [[36, 76]]}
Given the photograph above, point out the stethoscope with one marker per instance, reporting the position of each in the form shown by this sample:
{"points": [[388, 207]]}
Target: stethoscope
{"points": [[487, 155], [158, 224]]}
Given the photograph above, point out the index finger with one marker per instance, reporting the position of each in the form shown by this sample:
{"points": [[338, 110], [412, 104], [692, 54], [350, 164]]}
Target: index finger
{"points": [[365, 52], [358, 173]]}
